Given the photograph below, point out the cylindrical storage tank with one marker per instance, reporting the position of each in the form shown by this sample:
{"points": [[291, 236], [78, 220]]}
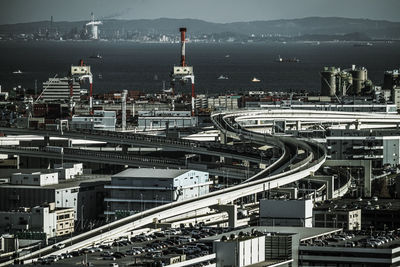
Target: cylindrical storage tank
{"points": [[388, 80], [328, 82], [359, 78]]}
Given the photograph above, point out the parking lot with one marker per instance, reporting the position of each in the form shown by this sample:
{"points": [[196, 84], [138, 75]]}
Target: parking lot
{"points": [[159, 247]]}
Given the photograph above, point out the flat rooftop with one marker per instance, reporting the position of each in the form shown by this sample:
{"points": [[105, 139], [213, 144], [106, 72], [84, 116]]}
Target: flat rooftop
{"points": [[303, 232], [77, 182], [363, 204], [150, 173]]}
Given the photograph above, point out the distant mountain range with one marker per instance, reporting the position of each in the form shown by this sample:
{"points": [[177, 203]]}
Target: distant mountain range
{"points": [[311, 27]]}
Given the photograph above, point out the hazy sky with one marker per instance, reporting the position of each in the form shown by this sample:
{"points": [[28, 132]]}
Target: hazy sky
{"points": [[14, 11]]}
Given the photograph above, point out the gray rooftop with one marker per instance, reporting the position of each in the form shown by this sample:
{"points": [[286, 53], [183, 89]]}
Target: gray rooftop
{"points": [[303, 232], [83, 180], [150, 173]]}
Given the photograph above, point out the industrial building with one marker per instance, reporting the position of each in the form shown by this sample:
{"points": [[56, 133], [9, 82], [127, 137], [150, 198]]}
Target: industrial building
{"points": [[240, 251], [44, 219], [359, 107], [158, 120], [286, 212], [340, 217], [347, 253], [100, 120], [225, 102], [68, 170], [71, 193], [135, 190], [380, 145], [280, 248], [35, 178], [352, 81]]}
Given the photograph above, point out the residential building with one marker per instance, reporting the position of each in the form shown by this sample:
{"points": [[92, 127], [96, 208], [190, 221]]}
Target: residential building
{"points": [[58, 89]]}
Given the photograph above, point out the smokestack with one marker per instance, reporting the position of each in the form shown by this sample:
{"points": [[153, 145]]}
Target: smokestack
{"points": [[124, 94], [91, 97], [183, 33]]}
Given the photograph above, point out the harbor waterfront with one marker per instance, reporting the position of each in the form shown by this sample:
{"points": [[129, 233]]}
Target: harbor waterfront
{"points": [[143, 66]]}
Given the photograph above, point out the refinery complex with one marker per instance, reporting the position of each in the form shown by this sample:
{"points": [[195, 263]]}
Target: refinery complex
{"points": [[177, 178]]}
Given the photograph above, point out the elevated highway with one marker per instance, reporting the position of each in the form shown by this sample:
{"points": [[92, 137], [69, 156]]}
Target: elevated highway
{"points": [[299, 159], [117, 158], [242, 153]]}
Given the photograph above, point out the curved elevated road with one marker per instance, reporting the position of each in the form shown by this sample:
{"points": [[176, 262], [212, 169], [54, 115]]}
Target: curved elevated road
{"points": [[290, 167]]}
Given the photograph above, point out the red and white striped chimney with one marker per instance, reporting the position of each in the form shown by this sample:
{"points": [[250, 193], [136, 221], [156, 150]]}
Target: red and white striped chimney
{"points": [[183, 39]]}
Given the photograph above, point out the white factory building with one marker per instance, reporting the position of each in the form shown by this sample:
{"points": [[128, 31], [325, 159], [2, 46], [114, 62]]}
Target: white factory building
{"points": [[68, 171], [240, 251], [35, 178], [135, 190]]}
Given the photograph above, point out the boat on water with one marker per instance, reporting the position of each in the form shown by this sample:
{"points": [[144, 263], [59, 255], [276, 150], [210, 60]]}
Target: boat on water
{"points": [[227, 56], [17, 72], [97, 56], [255, 80], [222, 77], [283, 60], [362, 44]]}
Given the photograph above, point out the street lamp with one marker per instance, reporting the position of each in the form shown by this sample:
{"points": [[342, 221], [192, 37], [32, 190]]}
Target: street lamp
{"points": [[141, 204]]}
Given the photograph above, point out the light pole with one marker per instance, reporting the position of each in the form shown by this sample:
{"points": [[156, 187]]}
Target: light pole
{"points": [[141, 204], [62, 157]]}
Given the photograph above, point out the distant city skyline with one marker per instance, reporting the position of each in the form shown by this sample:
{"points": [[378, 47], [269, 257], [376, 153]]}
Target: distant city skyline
{"points": [[222, 11]]}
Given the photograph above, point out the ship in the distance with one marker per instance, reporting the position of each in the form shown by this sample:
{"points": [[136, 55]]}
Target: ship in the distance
{"points": [[96, 56], [255, 80], [222, 77], [17, 72], [283, 60], [362, 44]]}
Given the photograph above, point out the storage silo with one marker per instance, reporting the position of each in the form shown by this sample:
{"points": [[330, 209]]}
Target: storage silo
{"points": [[328, 81]]}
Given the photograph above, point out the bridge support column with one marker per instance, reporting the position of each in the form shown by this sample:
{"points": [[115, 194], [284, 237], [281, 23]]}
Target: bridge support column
{"points": [[365, 164], [46, 140], [222, 138], [291, 191], [125, 149], [232, 213], [329, 182], [298, 125]]}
